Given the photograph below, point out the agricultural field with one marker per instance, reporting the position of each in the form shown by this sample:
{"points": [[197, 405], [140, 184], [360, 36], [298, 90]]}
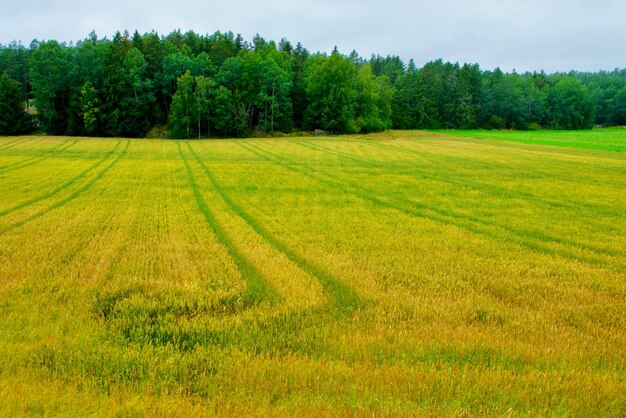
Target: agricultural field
{"points": [[405, 273]]}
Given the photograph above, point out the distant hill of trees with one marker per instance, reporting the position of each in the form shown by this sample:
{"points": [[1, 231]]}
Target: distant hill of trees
{"points": [[222, 85]]}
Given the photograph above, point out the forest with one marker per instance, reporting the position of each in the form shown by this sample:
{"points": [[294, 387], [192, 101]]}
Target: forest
{"points": [[221, 85]]}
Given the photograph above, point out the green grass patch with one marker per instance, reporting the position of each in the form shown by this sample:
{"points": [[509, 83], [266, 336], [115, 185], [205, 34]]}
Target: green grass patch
{"points": [[607, 139]]}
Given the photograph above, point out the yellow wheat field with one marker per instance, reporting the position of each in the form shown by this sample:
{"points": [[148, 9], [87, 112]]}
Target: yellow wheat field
{"points": [[399, 274]]}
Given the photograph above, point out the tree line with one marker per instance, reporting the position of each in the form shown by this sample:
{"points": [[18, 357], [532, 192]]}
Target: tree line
{"points": [[222, 85]]}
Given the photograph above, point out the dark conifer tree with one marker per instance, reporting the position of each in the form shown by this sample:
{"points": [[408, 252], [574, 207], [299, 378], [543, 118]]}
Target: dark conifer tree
{"points": [[13, 117]]}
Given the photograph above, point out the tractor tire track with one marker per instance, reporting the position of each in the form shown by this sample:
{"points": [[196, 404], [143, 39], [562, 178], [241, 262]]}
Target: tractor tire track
{"points": [[69, 197], [487, 165], [34, 160], [13, 143], [344, 297], [258, 289], [63, 186], [565, 203], [529, 150], [538, 235], [481, 163], [482, 187], [420, 211], [568, 203]]}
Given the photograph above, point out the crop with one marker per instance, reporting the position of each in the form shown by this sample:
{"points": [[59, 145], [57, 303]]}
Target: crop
{"points": [[406, 273]]}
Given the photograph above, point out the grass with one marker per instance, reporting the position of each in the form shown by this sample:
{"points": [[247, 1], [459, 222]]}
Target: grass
{"points": [[404, 273], [610, 139]]}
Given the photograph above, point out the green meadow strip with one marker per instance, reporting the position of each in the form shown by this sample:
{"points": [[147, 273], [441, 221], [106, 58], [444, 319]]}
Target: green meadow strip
{"points": [[594, 140]]}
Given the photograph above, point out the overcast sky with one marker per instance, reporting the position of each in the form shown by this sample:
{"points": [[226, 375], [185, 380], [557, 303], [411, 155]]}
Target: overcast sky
{"points": [[553, 35]]}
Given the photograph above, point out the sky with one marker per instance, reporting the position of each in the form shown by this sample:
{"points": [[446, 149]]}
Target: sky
{"points": [[525, 35]]}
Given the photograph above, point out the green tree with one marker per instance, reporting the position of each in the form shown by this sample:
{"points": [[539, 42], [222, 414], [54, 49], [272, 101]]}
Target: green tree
{"points": [[620, 106], [126, 85], [407, 100], [225, 112], [299, 98], [184, 110], [14, 60], [431, 86], [237, 95], [275, 82], [205, 99], [90, 106], [332, 91], [505, 105], [115, 86], [129, 94], [137, 106], [391, 66], [87, 66], [175, 65], [534, 101], [373, 107], [469, 97], [13, 118], [50, 74], [260, 82], [569, 105], [222, 46]]}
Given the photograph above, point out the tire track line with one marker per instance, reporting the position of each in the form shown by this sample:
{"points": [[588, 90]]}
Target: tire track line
{"points": [[571, 204], [542, 171], [14, 143], [567, 203], [483, 187], [415, 210], [553, 152], [537, 235], [258, 289], [344, 297], [131, 218], [34, 160], [69, 197], [63, 186], [41, 154]]}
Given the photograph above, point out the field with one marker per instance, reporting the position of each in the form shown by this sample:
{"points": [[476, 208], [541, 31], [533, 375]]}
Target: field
{"points": [[404, 273], [612, 139]]}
